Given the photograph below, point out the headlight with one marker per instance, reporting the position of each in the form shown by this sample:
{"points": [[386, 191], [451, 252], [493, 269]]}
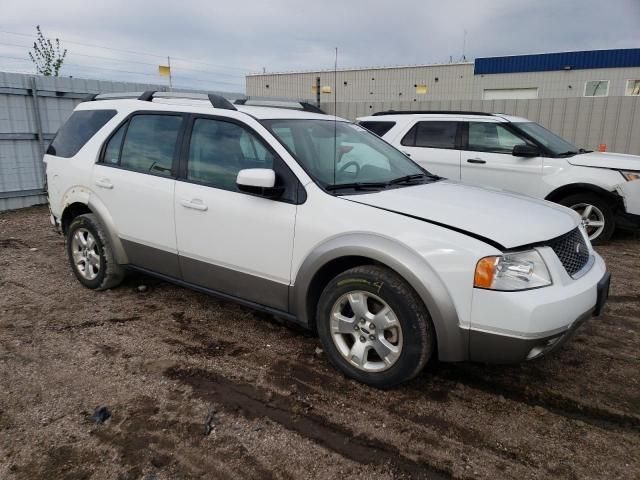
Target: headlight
{"points": [[630, 176], [512, 271]]}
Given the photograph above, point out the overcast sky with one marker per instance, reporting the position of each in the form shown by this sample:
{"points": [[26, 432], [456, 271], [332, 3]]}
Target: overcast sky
{"points": [[213, 44]]}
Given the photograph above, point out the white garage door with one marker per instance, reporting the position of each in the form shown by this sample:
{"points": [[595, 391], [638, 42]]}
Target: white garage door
{"points": [[509, 93]]}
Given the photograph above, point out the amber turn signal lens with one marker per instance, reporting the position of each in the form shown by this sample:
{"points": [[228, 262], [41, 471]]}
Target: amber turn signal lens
{"points": [[485, 271]]}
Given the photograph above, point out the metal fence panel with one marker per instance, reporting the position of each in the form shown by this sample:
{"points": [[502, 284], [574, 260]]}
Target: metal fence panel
{"points": [[28, 123], [587, 122]]}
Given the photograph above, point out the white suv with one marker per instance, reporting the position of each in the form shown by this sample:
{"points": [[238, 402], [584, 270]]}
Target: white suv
{"points": [[317, 220], [515, 154]]}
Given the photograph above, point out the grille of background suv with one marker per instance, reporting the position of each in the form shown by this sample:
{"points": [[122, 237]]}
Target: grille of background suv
{"points": [[572, 251]]}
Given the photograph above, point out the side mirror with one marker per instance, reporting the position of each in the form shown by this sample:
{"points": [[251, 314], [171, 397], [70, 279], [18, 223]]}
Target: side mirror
{"points": [[258, 181], [525, 150]]}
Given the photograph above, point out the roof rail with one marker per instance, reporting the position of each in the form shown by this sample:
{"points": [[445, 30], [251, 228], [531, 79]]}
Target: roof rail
{"points": [[444, 112], [276, 102], [217, 101], [112, 96]]}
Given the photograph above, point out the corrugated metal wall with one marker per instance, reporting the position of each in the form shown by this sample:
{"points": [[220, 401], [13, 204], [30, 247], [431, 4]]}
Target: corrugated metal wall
{"points": [[24, 99], [586, 122], [443, 82]]}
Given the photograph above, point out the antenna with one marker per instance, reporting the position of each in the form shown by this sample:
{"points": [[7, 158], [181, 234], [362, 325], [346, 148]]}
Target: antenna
{"points": [[464, 45], [335, 112]]}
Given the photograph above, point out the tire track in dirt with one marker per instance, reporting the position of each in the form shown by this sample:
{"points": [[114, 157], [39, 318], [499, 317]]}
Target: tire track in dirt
{"points": [[311, 381], [557, 404], [12, 243], [90, 324], [623, 298], [252, 402]]}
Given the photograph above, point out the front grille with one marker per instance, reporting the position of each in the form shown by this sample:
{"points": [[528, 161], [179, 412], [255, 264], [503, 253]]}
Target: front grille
{"points": [[572, 251]]}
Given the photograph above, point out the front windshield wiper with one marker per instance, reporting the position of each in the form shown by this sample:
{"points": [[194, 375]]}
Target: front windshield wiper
{"points": [[582, 150], [412, 178], [569, 153], [358, 186]]}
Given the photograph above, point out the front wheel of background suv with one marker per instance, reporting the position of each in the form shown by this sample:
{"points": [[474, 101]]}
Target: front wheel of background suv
{"points": [[91, 255], [374, 327], [597, 215]]}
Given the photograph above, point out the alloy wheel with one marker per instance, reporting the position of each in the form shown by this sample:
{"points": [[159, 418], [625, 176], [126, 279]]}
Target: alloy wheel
{"points": [[86, 257], [366, 331], [592, 219]]}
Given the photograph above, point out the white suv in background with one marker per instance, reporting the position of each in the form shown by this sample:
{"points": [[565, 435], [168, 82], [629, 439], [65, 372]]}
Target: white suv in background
{"points": [[315, 219], [515, 154]]}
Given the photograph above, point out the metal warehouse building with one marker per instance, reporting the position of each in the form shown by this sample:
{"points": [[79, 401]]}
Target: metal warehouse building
{"points": [[589, 97]]}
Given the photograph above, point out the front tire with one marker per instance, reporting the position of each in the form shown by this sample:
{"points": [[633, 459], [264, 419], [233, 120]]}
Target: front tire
{"points": [[91, 255], [374, 327], [597, 215]]}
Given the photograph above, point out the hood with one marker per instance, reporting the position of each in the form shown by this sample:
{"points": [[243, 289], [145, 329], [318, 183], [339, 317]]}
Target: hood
{"points": [[618, 161], [506, 219]]}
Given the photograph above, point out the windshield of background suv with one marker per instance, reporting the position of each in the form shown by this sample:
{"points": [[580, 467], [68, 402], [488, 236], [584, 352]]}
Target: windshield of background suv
{"points": [[361, 158], [556, 144]]}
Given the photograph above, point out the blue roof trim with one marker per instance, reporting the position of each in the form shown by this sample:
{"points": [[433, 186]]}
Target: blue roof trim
{"points": [[545, 62]]}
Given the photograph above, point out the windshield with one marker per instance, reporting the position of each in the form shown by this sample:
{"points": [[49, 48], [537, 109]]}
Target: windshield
{"points": [[555, 144], [341, 153]]}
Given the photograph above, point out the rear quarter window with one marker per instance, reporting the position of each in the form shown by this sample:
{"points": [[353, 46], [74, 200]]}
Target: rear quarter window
{"points": [[77, 131], [432, 134], [377, 127]]}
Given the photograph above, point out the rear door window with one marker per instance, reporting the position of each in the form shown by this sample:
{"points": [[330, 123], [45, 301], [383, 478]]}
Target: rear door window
{"points": [[77, 131], [432, 134], [150, 144], [378, 127]]}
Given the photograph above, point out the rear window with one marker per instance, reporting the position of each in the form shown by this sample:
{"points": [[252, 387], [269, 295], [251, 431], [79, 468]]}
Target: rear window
{"points": [[379, 128], [432, 135], [81, 126]]}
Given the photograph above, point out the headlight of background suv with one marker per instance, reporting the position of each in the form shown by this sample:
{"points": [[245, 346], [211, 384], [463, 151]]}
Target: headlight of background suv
{"points": [[630, 176], [512, 271]]}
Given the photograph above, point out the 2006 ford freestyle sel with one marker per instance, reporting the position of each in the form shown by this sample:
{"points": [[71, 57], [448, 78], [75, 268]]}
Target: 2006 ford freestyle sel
{"points": [[317, 220]]}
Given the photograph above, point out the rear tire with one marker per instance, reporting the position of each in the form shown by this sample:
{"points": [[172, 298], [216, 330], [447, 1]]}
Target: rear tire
{"points": [[596, 212], [374, 327], [91, 254]]}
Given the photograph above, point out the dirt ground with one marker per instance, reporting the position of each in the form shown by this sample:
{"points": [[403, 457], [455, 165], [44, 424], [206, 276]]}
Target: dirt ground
{"points": [[167, 362]]}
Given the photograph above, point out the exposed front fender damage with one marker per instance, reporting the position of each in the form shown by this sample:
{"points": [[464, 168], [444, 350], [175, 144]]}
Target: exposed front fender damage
{"points": [[630, 193], [452, 340]]}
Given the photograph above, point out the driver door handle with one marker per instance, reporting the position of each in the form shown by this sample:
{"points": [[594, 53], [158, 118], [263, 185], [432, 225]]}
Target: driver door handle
{"points": [[475, 160], [195, 204]]}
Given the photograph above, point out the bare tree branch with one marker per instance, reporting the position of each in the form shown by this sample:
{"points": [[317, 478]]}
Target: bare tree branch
{"points": [[47, 58]]}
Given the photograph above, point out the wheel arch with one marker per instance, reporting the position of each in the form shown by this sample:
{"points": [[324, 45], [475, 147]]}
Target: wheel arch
{"points": [[90, 204], [341, 253], [574, 188], [70, 212]]}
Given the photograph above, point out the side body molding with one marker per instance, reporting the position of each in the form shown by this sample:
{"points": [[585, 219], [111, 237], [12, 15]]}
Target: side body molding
{"points": [[452, 340]]}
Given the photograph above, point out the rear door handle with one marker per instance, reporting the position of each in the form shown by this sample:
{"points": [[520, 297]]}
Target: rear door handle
{"points": [[475, 160], [195, 204], [104, 183]]}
